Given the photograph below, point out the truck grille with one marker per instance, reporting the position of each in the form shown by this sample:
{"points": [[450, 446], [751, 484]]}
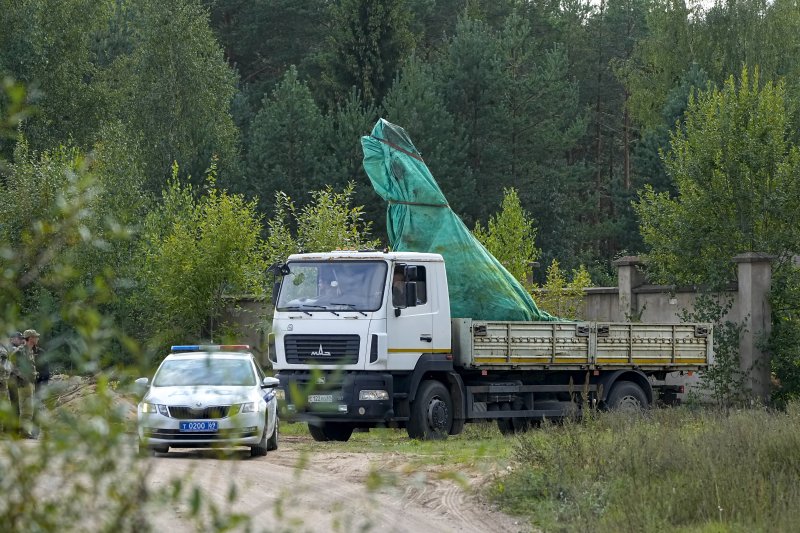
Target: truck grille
{"points": [[322, 349], [207, 413]]}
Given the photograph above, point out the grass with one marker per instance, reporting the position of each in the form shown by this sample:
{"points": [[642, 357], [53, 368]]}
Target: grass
{"points": [[669, 470], [480, 446]]}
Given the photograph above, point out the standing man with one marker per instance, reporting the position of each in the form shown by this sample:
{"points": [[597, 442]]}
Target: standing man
{"points": [[7, 386], [23, 360]]}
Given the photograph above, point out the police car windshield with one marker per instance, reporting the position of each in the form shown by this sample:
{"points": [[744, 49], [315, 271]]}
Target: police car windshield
{"points": [[205, 371], [339, 286]]}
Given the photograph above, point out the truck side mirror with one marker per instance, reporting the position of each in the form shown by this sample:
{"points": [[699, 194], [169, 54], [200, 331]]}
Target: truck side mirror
{"points": [[276, 287], [411, 293]]}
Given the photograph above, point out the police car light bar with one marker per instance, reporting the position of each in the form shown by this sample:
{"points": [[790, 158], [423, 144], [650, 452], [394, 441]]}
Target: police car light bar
{"points": [[209, 347]]}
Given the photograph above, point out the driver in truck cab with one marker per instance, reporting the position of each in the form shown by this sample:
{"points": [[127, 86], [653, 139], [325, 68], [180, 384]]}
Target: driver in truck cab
{"points": [[398, 288]]}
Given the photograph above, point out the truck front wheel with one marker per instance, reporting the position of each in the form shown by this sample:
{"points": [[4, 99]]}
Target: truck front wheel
{"points": [[431, 413], [337, 431]]}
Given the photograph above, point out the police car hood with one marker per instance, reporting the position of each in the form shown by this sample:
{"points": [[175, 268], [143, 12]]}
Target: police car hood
{"points": [[205, 395]]}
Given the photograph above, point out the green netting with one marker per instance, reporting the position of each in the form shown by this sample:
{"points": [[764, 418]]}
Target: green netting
{"points": [[418, 219]]}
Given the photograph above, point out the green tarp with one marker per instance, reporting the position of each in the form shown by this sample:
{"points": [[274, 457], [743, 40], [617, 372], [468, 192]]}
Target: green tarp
{"points": [[418, 219]]}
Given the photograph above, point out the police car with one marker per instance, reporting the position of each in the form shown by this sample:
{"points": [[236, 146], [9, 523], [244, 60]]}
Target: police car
{"points": [[208, 395]]}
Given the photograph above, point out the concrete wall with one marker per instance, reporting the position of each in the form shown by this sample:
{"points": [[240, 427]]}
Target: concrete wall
{"points": [[252, 317], [636, 300]]}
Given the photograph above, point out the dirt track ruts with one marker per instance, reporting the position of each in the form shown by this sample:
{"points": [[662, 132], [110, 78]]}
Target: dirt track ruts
{"points": [[291, 490]]}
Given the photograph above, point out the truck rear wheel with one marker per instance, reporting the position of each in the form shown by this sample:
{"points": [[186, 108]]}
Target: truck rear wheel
{"points": [[336, 431], [431, 413], [505, 425], [627, 396]]}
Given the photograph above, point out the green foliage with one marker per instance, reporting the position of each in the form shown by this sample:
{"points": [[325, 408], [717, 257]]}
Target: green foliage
{"points": [[351, 119], [327, 223], [12, 112], [561, 297], [153, 66], [173, 87], [367, 41], [785, 336], [196, 251], [510, 237], [47, 45], [651, 149], [659, 58], [735, 171], [261, 37], [37, 190], [470, 71], [287, 146], [617, 473], [724, 378]]}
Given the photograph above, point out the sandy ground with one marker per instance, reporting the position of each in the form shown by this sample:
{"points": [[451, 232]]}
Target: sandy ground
{"points": [[292, 489], [289, 490]]}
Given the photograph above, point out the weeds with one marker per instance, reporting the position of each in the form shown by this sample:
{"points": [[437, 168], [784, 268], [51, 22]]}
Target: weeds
{"points": [[672, 470]]}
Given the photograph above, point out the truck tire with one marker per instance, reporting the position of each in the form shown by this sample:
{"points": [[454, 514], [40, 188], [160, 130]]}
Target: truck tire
{"points": [[331, 431], [505, 425], [431, 413], [520, 424], [627, 396], [458, 427]]}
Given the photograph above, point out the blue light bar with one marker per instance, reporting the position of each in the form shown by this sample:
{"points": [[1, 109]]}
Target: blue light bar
{"points": [[186, 348], [209, 347]]}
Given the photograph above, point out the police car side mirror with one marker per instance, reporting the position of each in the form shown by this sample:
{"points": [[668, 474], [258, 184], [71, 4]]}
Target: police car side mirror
{"points": [[270, 383], [140, 386]]}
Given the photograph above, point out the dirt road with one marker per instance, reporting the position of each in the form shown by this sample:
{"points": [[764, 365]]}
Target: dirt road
{"points": [[292, 490]]}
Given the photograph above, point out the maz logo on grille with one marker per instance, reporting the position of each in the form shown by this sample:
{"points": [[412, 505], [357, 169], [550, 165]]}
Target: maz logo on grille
{"points": [[320, 353]]}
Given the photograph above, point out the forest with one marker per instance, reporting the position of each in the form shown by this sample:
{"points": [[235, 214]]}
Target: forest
{"points": [[654, 127]]}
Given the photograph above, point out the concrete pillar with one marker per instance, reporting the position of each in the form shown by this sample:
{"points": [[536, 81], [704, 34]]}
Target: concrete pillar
{"points": [[629, 277], [755, 278]]}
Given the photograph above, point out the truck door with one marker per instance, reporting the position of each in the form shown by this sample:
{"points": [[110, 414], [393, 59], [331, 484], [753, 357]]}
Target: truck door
{"points": [[410, 318]]}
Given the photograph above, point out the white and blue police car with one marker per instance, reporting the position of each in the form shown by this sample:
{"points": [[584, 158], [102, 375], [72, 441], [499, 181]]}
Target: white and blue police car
{"points": [[208, 395]]}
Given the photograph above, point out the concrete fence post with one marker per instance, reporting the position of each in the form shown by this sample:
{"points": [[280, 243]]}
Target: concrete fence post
{"points": [[754, 273], [629, 277]]}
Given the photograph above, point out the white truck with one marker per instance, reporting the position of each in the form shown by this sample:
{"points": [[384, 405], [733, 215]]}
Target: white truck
{"points": [[364, 339]]}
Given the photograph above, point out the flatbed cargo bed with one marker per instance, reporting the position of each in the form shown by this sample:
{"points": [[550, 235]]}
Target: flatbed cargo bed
{"points": [[580, 345]]}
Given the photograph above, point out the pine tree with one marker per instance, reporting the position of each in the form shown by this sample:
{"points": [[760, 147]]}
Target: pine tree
{"points": [[288, 145], [367, 41]]}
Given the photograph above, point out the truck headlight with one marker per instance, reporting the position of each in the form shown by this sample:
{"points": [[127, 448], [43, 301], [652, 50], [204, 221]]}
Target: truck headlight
{"points": [[366, 395], [280, 394]]}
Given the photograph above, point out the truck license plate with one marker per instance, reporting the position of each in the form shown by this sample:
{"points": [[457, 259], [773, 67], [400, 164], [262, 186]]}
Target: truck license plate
{"points": [[320, 398]]}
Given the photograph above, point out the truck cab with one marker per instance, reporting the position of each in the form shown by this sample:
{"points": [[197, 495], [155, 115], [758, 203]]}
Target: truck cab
{"points": [[351, 328]]}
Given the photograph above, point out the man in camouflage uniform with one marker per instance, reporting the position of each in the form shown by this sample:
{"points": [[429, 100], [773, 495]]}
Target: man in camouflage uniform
{"points": [[23, 361], [15, 340]]}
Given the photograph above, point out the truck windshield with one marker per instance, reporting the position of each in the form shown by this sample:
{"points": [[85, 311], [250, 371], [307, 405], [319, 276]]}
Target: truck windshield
{"points": [[333, 286]]}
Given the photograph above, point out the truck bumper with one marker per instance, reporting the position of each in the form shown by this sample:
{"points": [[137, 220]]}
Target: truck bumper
{"points": [[336, 396]]}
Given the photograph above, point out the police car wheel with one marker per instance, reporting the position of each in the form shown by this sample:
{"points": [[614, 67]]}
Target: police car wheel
{"points": [[260, 449], [272, 442]]}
